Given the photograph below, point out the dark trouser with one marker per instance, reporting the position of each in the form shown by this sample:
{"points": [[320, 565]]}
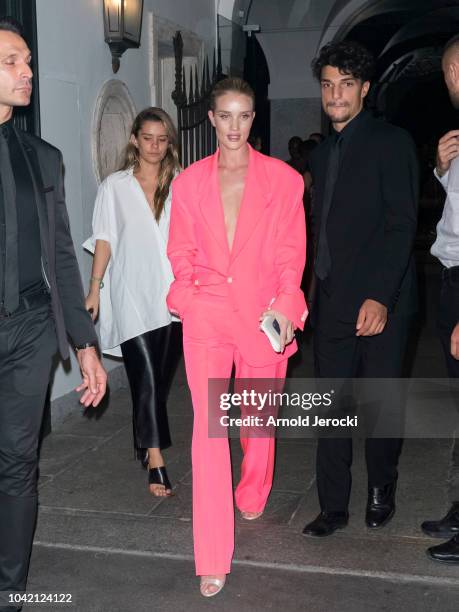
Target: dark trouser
{"points": [[339, 353], [27, 345], [147, 362], [448, 317]]}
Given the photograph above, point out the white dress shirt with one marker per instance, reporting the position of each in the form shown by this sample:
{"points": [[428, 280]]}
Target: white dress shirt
{"points": [[138, 276], [446, 246]]}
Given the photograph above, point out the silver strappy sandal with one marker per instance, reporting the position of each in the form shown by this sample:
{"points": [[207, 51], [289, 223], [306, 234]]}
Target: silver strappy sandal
{"points": [[207, 581]]}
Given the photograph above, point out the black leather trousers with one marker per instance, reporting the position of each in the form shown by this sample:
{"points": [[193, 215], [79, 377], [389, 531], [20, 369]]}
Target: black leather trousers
{"points": [[147, 359]]}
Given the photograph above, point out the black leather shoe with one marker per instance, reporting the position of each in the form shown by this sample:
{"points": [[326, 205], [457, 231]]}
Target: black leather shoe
{"points": [[445, 527], [325, 524], [380, 505], [445, 553]]}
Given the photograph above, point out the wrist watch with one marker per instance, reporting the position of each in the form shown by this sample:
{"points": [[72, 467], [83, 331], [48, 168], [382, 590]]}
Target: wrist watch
{"points": [[86, 345]]}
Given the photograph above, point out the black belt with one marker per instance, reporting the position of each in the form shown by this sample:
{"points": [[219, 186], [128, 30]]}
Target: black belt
{"points": [[26, 302]]}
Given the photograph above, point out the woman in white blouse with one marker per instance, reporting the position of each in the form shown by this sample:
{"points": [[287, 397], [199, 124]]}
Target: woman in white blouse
{"points": [[131, 276]]}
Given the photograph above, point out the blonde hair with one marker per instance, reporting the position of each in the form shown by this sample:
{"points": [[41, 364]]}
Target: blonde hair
{"points": [[169, 166], [234, 84]]}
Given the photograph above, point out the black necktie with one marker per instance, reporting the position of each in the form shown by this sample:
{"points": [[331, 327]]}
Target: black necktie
{"points": [[8, 191], [322, 264]]}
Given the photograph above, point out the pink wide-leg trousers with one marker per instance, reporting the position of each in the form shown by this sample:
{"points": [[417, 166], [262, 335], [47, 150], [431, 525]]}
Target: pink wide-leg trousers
{"points": [[210, 352]]}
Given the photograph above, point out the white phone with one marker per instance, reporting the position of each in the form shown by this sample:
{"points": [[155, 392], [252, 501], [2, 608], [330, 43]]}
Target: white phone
{"points": [[270, 326]]}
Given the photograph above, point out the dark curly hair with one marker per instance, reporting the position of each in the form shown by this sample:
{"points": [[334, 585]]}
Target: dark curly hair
{"points": [[348, 56]]}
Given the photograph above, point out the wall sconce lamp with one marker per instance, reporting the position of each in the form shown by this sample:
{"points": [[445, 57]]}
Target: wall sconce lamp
{"points": [[122, 27]]}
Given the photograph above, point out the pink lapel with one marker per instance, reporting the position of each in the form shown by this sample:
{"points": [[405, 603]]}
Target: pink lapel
{"points": [[211, 207], [256, 197]]}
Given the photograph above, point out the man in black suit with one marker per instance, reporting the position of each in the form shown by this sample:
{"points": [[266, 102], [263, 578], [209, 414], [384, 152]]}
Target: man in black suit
{"points": [[41, 300], [365, 213]]}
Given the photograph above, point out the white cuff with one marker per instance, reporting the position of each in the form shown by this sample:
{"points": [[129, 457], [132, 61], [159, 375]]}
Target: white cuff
{"points": [[443, 179]]}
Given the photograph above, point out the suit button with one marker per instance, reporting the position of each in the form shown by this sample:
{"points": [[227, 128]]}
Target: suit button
{"points": [[229, 279]]}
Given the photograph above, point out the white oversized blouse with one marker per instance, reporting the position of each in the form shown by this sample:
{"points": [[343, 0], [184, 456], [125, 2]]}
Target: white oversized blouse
{"points": [[138, 276]]}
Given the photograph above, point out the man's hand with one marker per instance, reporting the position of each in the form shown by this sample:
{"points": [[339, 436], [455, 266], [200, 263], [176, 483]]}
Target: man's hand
{"points": [[448, 149], [455, 342], [287, 329], [372, 318], [94, 377]]}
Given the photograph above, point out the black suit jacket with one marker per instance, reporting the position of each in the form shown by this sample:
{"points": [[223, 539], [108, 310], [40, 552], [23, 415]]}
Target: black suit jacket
{"points": [[59, 264], [372, 221]]}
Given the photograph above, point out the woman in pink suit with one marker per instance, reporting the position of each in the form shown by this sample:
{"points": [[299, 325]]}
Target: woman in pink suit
{"points": [[237, 246]]}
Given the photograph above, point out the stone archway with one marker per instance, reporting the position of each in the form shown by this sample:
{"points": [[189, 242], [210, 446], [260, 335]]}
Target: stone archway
{"points": [[408, 90], [406, 38]]}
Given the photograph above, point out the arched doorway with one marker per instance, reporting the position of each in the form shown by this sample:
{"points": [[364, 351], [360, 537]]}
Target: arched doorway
{"points": [[407, 39], [256, 72]]}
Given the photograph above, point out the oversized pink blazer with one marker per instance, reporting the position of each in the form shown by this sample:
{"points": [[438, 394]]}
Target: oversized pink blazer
{"points": [[264, 267]]}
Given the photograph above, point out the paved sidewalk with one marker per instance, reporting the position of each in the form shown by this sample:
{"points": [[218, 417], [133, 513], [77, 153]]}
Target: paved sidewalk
{"points": [[103, 538]]}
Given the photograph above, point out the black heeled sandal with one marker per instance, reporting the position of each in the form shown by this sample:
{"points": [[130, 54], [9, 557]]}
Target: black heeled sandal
{"points": [[158, 476]]}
